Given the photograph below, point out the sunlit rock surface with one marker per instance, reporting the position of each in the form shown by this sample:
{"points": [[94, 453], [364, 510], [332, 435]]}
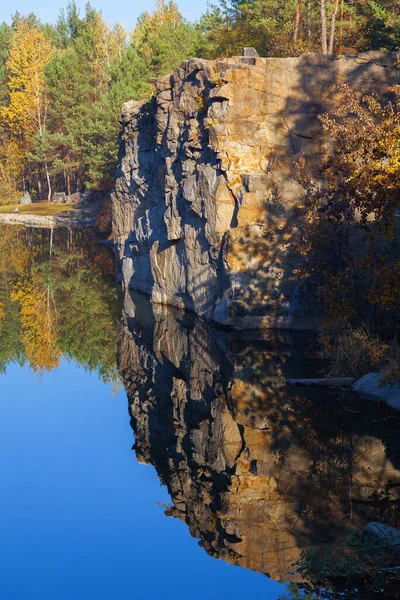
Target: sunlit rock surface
{"points": [[207, 180], [257, 471]]}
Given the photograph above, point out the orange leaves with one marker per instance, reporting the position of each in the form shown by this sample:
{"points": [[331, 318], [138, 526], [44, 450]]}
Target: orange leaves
{"points": [[26, 111], [364, 168], [14, 254], [348, 226], [386, 288]]}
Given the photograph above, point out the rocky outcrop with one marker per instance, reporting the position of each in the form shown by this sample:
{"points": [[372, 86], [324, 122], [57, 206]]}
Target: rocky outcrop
{"points": [[256, 470], [206, 184]]}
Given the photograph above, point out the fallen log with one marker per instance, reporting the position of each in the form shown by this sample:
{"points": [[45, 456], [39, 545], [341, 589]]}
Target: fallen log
{"points": [[327, 382]]}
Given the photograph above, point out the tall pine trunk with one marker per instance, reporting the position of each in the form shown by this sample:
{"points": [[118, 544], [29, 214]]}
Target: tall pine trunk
{"points": [[309, 32], [333, 24], [48, 180], [324, 42], [341, 27], [296, 24]]}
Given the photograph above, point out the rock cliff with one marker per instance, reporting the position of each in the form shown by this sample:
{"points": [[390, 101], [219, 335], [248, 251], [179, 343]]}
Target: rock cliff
{"points": [[256, 471], [207, 182]]}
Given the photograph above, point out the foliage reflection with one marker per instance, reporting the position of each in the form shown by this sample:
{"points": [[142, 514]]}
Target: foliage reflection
{"points": [[57, 299]]}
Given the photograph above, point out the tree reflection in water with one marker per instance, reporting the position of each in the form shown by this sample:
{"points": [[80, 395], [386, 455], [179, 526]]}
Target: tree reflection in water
{"points": [[57, 299]]}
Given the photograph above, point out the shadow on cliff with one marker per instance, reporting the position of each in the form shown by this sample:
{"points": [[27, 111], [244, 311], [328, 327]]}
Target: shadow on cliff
{"points": [[318, 79], [265, 261]]}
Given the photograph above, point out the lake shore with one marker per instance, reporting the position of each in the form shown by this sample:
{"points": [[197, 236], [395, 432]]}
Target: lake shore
{"points": [[75, 220], [49, 215]]}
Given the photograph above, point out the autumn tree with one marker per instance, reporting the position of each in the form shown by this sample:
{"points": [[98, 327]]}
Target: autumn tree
{"points": [[57, 298], [25, 115], [347, 226]]}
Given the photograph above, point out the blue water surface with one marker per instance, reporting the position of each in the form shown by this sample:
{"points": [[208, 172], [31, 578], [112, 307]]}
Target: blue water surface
{"points": [[80, 519]]}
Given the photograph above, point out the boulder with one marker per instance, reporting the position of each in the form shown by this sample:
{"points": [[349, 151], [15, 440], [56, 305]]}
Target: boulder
{"points": [[76, 197], [387, 535], [26, 199], [249, 51], [59, 197], [371, 386]]}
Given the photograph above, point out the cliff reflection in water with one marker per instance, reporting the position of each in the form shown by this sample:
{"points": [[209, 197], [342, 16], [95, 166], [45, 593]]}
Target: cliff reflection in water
{"points": [[257, 472]]}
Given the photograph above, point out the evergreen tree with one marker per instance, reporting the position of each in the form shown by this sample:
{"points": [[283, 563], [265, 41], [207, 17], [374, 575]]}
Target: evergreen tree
{"points": [[162, 39], [5, 45]]}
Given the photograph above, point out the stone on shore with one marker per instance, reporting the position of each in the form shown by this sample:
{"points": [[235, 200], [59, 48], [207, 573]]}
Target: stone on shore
{"points": [[325, 382], [59, 197], [26, 199], [371, 386], [389, 536]]}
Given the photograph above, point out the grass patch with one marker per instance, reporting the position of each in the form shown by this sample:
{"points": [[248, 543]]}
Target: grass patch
{"points": [[357, 352], [38, 208]]}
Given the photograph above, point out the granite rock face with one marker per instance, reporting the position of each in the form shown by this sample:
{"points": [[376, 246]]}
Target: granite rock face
{"points": [[256, 471], [202, 209]]}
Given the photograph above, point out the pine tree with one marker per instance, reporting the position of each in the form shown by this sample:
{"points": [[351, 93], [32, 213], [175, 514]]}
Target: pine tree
{"points": [[162, 39]]}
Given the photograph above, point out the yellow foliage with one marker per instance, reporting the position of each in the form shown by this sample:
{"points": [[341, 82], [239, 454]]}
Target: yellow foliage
{"points": [[2, 315], [38, 322], [217, 80], [11, 157], [30, 51], [108, 44], [14, 253], [201, 103], [119, 38], [163, 14]]}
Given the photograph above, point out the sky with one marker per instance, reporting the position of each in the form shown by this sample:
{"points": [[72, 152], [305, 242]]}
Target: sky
{"points": [[79, 517], [124, 11]]}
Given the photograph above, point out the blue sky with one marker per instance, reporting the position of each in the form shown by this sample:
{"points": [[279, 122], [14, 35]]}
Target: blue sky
{"points": [[79, 517], [118, 10]]}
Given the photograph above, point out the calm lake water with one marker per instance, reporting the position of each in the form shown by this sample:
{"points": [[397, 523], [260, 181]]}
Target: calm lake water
{"points": [[227, 462]]}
